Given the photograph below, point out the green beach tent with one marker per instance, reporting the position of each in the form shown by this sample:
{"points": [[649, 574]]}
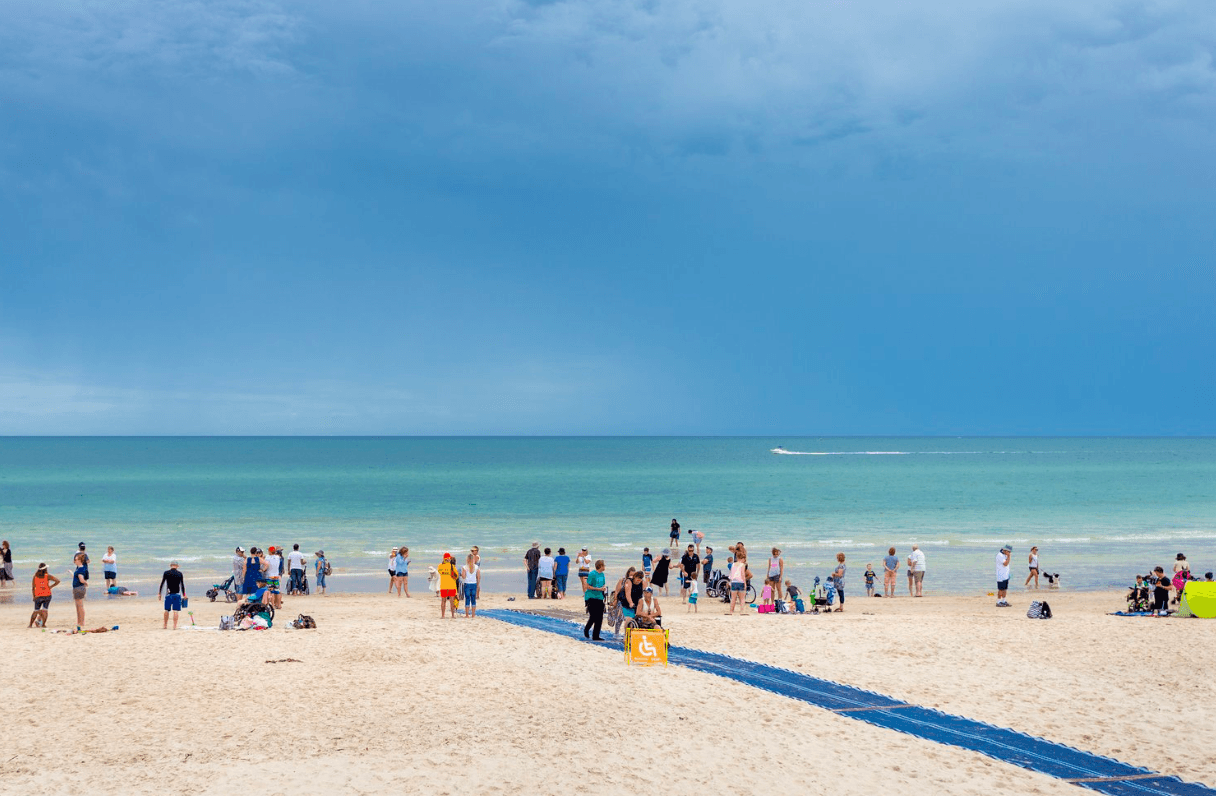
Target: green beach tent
{"points": [[1198, 599]]}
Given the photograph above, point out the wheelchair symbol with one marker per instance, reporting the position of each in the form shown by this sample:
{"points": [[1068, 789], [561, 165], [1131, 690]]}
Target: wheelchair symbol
{"points": [[647, 649]]}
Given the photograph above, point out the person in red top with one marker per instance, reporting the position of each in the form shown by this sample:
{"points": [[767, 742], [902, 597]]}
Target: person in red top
{"points": [[43, 583]]}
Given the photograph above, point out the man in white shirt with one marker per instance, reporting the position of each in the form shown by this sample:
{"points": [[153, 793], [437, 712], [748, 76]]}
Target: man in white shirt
{"points": [[295, 568], [1002, 575], [917, 568]]}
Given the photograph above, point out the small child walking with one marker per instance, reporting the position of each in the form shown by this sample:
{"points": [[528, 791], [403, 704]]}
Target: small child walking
{"points": [[766, 596], [870, 580], [647, 561], [692, 595]]}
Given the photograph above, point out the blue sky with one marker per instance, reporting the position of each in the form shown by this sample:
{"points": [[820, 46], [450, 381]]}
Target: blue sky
{"points": [[594, 217]]}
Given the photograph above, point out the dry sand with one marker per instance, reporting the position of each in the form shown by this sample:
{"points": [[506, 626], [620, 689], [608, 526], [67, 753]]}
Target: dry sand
{"points": [[387, 698]]}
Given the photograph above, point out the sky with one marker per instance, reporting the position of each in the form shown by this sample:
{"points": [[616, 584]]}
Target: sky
{"points": [[608, 217]]}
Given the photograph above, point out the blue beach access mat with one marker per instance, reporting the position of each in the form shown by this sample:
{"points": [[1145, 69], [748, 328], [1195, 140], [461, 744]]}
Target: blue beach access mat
{"points": [[1086, 769]]}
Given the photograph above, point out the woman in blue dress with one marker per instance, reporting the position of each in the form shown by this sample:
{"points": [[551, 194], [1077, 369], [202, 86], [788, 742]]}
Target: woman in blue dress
{"points": [[253, 571]]}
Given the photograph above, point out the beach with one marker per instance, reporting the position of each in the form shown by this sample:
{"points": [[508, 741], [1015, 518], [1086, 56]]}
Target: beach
{"points": [[384, 696]]}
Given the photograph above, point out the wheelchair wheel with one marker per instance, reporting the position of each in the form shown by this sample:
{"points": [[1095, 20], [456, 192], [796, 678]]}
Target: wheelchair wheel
{"points": [[751, 594], [231, 597]]}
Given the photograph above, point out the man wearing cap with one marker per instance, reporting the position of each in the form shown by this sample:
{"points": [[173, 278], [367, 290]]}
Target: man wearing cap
{"points": [[238, 570], [532, 562], [1002, 575], [447, 585], [174, 586]]}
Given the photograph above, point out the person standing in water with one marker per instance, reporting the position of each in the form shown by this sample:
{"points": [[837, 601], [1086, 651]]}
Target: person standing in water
{"points": [[1034, 568], [109, 567]]}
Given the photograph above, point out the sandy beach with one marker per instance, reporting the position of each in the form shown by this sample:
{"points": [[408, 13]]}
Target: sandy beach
{"points": [[386, 697]]}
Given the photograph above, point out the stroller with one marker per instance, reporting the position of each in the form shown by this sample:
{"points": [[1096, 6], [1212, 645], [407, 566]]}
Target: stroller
{"points": [[822, 596], [228, 588]]}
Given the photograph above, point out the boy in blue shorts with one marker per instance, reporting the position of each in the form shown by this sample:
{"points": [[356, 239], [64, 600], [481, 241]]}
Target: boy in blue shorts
{"points": [[647, 560]]}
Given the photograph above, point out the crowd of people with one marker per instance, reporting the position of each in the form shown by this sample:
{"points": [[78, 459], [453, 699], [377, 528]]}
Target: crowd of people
{"points": [[1155, 592], [259, 576]]}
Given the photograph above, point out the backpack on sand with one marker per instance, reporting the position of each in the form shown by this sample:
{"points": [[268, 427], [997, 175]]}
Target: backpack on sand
{"points": [[304, 622], [1039, 610]]}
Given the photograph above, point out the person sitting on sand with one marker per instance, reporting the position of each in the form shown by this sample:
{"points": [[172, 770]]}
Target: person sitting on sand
{"points": [[649, 613], [43, 582]]}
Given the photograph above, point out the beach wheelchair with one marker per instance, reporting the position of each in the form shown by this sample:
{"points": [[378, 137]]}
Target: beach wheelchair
{"points": [[720, 587], [228, 588], [300, 585]]}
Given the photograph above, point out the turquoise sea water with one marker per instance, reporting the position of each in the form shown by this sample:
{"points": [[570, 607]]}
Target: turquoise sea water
{"points": [[1099, 509]]}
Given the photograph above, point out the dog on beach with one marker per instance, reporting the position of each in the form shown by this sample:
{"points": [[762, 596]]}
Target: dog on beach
{"points": [[1053, 579]]}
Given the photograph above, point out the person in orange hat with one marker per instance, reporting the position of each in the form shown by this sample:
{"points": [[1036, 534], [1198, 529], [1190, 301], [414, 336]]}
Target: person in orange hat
{"points": [[447, 585]]}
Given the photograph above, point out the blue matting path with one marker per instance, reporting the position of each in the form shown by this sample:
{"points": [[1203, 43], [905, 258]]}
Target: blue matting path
{"points": [[1086, 769]]}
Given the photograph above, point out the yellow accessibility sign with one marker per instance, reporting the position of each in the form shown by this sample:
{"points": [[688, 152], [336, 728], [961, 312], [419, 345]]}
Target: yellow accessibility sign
{"points": [[645, 647]]}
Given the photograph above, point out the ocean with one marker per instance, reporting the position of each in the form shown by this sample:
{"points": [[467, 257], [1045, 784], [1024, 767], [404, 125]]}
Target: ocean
{"points": [[1100, 509]]}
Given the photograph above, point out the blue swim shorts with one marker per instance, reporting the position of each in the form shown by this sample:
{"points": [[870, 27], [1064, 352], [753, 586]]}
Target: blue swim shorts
{"points": [[173, 602]]}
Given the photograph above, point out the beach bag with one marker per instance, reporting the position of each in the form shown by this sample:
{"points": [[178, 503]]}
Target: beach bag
{"points": [[764, 609], [327, 569], [225, 623], [304, 622], [782, 608], [1038, 610], [800, 605]]}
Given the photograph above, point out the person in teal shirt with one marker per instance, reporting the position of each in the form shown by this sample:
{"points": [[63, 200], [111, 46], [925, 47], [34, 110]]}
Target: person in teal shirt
{"points": [[594, 601]]}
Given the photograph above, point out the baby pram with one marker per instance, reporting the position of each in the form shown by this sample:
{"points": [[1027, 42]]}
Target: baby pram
{"points": [[228, 588]]}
